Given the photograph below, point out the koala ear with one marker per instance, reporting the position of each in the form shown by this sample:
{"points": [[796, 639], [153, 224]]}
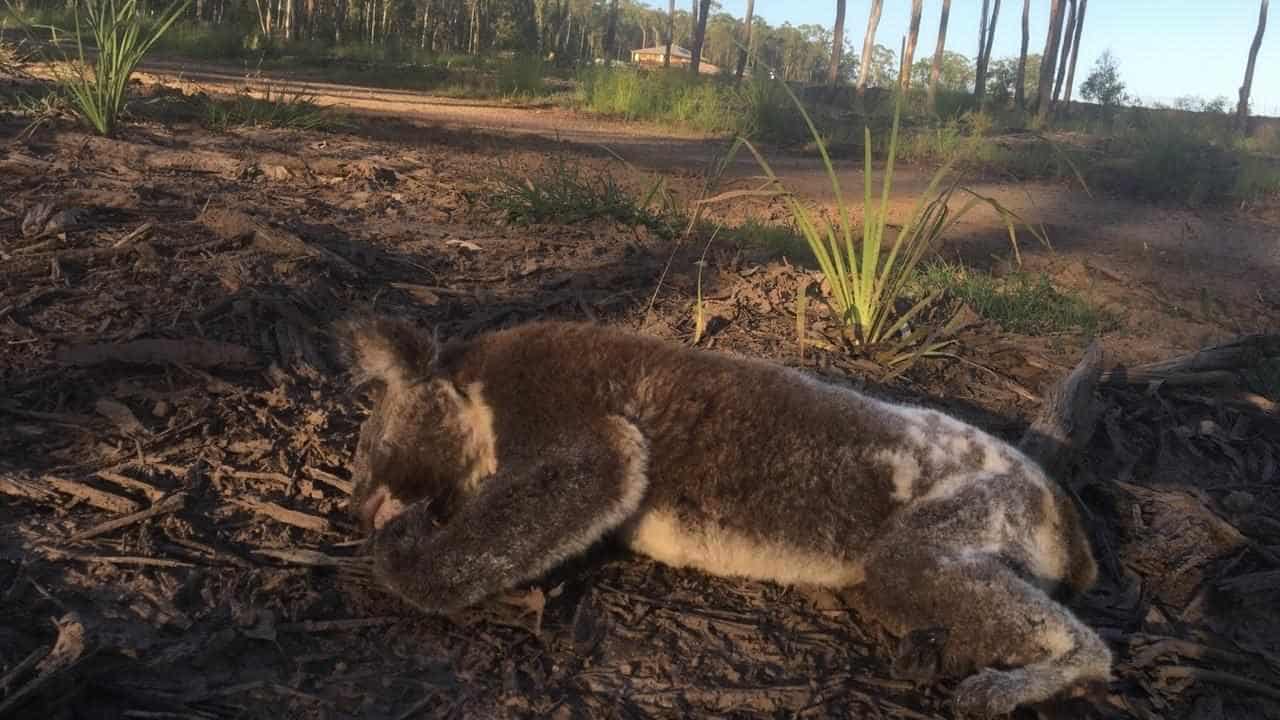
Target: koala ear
{"points": [[388, 350]]}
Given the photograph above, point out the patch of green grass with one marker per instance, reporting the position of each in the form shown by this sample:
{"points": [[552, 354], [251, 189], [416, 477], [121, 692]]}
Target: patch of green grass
{"points": [[562, 193], [752, 108], [776, 240], [206, 41], [521, 76], [1022, 302], [297, 111]]}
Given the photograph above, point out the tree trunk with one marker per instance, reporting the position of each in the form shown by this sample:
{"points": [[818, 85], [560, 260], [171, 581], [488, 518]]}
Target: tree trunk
{"points": [[909, 49], [671, 32], [986, 38], [1019, 96], [1242, 110], [610, 31], [1049, 60], [868, 44], [936, 69], [699, 34], [991, 37], [1067, 36], [693, 21], [746, 39], [979, 72], [1075, 52], [837, 45]]}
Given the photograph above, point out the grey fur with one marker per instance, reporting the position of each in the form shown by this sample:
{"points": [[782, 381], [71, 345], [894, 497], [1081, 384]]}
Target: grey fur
{"points": [[533, 443]]}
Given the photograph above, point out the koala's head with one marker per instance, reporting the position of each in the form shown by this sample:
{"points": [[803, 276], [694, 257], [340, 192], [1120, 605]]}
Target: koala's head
{"points": [[417, 443]]}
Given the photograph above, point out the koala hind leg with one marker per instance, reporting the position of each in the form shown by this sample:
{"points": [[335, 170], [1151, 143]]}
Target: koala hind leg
{"points": [[979, 616], [523, 521]]}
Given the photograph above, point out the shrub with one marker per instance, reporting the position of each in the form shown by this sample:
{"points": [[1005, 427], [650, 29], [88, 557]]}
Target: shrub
{"points": [[561, 193], [121, 36], [521, 76], [868, 276], [298, 111]]}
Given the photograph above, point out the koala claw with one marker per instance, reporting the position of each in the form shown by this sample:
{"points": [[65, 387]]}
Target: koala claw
{"points": [[357, 570]]}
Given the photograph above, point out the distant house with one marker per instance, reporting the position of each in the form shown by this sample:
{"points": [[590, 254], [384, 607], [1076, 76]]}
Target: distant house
{"points": [[652, 56]]}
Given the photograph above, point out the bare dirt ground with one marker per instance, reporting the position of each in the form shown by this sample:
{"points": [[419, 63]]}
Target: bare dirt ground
{"points": [[175, 433]]}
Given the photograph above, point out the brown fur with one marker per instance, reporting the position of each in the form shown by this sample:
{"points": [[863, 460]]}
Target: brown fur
{"points": [[533, 443]]}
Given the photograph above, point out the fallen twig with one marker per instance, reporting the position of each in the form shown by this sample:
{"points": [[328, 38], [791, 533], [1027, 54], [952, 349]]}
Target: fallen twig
{"points": [[344, 486], [34, 263], [285, 515], [314, 626], [170, 504], [1246, 352], [124, 560], [1217, 677], [100, 499], [153, 494], [23, 488]]}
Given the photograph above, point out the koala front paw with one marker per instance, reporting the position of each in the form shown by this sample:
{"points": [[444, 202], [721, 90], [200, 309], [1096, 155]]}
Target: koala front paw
{"points": [[989, 694]]}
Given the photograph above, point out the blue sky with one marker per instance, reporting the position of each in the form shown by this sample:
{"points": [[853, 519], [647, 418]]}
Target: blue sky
{"points": [[1165, 48]]}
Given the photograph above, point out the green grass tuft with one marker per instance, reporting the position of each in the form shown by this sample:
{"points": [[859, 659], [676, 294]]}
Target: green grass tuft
{"points": [[119, 34], [1023, 303], [296, 111], [562, 193], [752, 108]]}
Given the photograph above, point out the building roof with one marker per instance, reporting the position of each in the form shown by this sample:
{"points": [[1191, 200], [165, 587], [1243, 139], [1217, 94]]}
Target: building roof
{"points": [[660, 50]]}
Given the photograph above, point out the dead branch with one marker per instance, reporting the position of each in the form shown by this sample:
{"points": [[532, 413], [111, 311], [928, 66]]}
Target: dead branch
{"points": [[153, 494], [100, 499], [1226, 679], [122, 560], [173, 503], [1246, 352], [315, 626], [346, 487], [1067, 419], [21, 487], [285, 515], [36, 263], [193, 352]]}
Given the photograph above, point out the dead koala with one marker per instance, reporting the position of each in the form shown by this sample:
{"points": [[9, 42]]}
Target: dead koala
{"points": [[532, 443]]}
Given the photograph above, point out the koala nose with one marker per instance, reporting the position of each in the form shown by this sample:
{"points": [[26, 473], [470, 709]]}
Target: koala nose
{"points": [[369, 510], [380, 508]]}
